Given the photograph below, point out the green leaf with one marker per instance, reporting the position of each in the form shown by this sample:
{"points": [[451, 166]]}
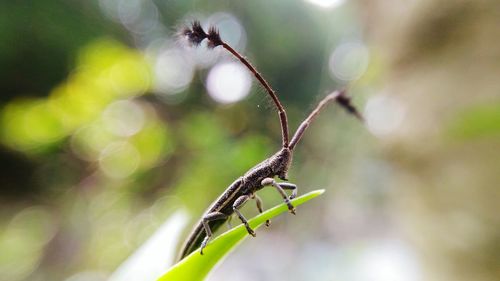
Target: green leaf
{"points": [[196, 267], [477, 121]]}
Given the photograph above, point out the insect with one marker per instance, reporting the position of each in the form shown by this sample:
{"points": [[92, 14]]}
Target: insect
{"points": [[264, 173]]}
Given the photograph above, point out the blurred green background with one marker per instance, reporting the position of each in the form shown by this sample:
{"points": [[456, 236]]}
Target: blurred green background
{"points": [[109, 124]]}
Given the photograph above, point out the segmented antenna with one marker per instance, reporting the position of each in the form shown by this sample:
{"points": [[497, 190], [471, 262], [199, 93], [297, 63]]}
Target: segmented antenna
{"points": [[340, 97], [195, 35]]}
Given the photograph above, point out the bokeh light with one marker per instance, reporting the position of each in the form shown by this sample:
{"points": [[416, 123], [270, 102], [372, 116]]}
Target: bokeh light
{"points": [[110, 8], [384, 115], [349, 61], [88, 141], [29, 124], [130, 77], [326, 3], [123, 118], [106, 70], [388, 260], [174, 70], [23, 240], [233, 32], [228, 82], [119, 160], [139, 16]]}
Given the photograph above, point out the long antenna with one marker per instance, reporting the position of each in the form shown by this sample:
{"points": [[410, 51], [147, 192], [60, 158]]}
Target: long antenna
{"points": [[340, 98], [196, 34]]}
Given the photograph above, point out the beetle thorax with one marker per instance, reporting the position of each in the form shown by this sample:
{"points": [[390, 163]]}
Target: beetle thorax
{"points": [[280, 163]]}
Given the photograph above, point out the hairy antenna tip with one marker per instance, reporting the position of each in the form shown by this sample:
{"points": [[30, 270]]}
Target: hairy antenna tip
{"points": [[214, 37], [195, 34], [345, 101]]}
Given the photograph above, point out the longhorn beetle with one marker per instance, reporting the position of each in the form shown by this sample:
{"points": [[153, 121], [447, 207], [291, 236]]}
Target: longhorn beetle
{"points": [[244, 188]]}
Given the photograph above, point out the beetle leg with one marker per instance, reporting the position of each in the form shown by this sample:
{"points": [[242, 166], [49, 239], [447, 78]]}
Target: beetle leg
{"points": [[289, 186], [205, 220], [238, 204], [271, 181], [259, 207]]}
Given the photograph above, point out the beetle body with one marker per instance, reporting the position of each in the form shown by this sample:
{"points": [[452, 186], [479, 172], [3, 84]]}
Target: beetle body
{"points": [[262, 174], [248, 184]]}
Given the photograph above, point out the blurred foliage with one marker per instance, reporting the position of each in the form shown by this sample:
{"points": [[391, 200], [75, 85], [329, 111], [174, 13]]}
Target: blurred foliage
{"points": [[477, 122], [444, 64], [105, 71]]}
